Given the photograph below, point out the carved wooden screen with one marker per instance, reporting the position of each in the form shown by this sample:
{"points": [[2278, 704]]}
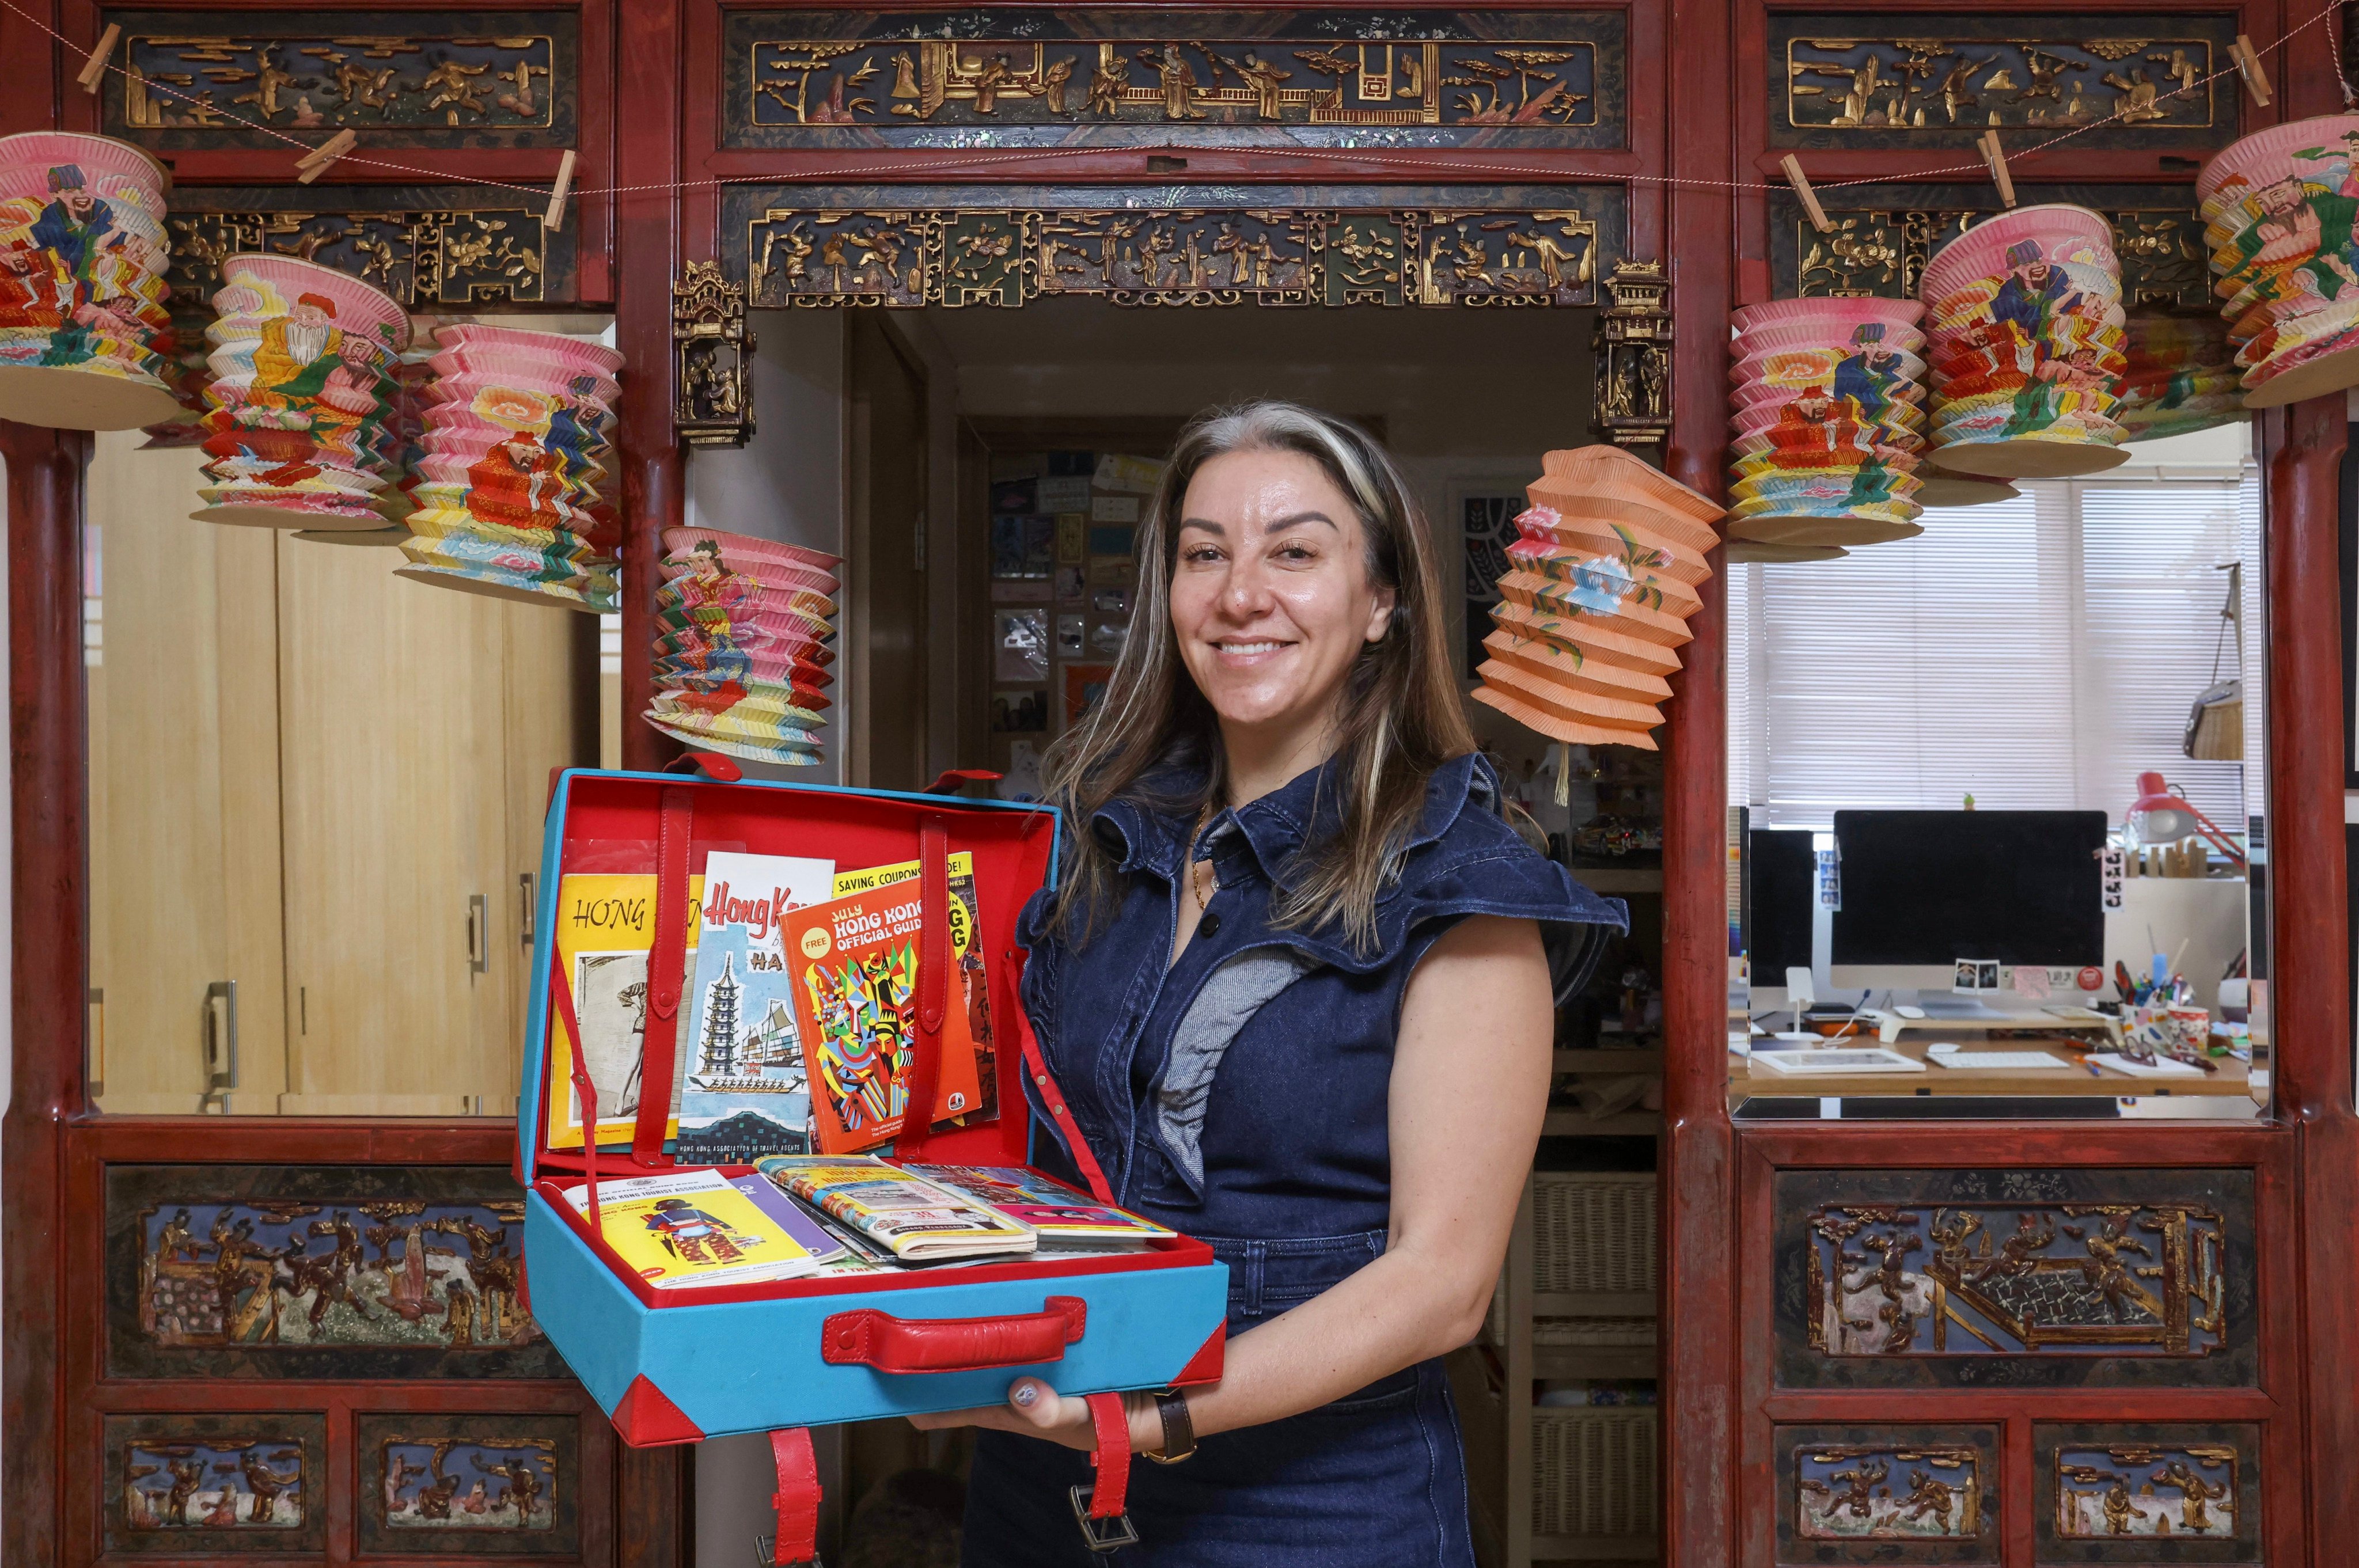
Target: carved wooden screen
{"points": [[286, 1339]]}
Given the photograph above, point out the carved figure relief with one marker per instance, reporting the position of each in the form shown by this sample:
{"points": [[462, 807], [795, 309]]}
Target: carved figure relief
{"points": [[2029, 1278], [2136, 1489], [410, 77], [419, 258], [1171, 256], [304, 1271], [237, 1482], [373, 1272], [457, 1483], [1880, 246], [1852, 1492], [1954, 75], [1553, 75], [183, 1486], [473, 1484], [1309, 79], [712, 402]]}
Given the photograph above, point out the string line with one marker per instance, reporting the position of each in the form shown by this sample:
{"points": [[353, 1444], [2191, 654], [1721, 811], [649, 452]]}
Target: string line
{"points": [[951, 159]]}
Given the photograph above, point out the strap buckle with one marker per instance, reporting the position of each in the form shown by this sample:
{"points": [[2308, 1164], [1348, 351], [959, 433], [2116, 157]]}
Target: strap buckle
{"points": [[765, 1555], [1103, 1535]]}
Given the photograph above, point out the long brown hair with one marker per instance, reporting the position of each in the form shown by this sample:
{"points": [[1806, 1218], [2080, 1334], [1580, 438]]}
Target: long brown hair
{"points": [[1401, 716]]}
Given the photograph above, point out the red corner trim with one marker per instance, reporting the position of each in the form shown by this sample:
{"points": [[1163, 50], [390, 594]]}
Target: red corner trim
{"points": [[646, 1418], [1204, 1366]]}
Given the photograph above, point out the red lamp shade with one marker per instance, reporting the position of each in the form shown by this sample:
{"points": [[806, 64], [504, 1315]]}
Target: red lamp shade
{"points": [[2161, 815]]}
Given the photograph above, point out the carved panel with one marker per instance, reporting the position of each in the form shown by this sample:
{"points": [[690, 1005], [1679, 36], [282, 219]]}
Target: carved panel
{"points": [[2147, 1494], [180, 1485], [428, 246], [1888, 1494], [2015, 1278], [311, 1272], [469, 1485], [1205, 78], [1884, 235], [1850, 81], [399, 79], [1497, 247]]}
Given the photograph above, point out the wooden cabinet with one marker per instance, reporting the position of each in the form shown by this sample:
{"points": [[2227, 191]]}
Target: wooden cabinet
{"points": [[320, 782]]}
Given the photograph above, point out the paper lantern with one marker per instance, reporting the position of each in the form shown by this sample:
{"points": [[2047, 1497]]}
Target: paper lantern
{"points": [[1601, 583], [741, 654], [85, 339], [2024, 335]]}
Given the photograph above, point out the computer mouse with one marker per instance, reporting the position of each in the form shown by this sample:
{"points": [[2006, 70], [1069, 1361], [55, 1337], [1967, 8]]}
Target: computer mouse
{"points": [[1909, 1011], [1943, 1049]]}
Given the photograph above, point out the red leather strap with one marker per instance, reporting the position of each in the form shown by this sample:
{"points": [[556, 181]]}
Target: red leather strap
{"points": [[1110, 1495], [950, 780], [934, 968], [666, 971], [713, 765], [1036, 1067], [797, 1498], [584, 1089], [871, 1338]]}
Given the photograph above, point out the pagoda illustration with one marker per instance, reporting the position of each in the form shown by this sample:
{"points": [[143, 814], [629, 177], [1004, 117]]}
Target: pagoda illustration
{"points": [[720, 1042]]}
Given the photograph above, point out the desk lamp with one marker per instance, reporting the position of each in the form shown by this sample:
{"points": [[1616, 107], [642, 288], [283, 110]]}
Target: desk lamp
{"points": [[2161, 815]]}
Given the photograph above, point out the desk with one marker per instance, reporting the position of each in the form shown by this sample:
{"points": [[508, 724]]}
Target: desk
{"points": [[1744, 1083]]}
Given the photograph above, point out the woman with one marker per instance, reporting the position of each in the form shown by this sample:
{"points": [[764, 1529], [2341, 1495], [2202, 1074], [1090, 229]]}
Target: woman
{"points": [[1292, 988]]}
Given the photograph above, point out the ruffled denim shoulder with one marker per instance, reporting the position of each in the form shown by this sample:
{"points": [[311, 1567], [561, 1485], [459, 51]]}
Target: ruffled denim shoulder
{"points": [[1464, 860]]}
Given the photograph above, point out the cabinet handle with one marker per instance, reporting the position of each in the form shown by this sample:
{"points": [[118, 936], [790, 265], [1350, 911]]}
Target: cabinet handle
{"points": [[221, 1046], [479, 934], [524, 902]]}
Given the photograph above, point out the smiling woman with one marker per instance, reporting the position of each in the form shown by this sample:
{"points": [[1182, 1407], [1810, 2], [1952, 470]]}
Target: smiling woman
{"points": [[1293, 987]]}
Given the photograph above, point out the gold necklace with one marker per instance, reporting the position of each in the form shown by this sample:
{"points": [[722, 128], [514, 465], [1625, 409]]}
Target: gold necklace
{"points": [[1196, 884]]}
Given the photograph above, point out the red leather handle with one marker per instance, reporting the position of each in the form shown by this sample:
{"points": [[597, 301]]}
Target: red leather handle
{"points": [[890, 1344]]}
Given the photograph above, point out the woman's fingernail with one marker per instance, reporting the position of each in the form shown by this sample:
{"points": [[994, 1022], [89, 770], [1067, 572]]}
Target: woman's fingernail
{"points": [[1025, 1393]]}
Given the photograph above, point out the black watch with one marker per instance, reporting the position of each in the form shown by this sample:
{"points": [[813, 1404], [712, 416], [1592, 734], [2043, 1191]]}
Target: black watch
{"points": [[1178, 1431]]}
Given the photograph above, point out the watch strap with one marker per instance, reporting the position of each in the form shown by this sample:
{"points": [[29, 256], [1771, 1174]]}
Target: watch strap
{"points": [[1178, 1428]]}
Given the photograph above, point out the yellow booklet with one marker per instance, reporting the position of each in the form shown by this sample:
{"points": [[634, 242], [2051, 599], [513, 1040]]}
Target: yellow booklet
{"points": [[693, 1228], [606, 927]]}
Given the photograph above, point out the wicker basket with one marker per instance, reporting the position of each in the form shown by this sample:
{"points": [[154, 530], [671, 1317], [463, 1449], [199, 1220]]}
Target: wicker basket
{"points": [[1602, 1333], [1593, 1230], [1594, 1470]]}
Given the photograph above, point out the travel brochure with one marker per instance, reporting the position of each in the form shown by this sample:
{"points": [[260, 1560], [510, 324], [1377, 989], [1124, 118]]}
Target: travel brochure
{"points": [[799, 979], [699, 1228], [915, 1219]]}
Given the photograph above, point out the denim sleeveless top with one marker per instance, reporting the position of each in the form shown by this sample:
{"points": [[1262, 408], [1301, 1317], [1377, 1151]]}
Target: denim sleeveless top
{"points": [[1241, 1095], [1282, 1158]]}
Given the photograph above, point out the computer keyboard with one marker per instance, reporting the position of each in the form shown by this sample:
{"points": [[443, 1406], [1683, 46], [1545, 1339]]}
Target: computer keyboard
{"points": [[1996, 1060]]}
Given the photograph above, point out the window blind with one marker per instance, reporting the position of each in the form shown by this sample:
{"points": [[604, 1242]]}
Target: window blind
{"points": [[2037, 653]]}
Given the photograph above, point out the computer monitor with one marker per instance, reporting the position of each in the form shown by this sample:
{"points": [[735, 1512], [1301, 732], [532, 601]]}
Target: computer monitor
{"points": [[1780, 894], [1922, 889]]}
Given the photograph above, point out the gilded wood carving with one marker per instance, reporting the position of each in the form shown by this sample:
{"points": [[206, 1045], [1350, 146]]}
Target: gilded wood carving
{"points": [[2015, 1279], [295, 1271], [1893, 1494], [472, 1484], [1884, 235], [441, 79], [2134, 81], [182, 1485], [800, 77], [2137, 1494], [805, 255], [426, 246]]}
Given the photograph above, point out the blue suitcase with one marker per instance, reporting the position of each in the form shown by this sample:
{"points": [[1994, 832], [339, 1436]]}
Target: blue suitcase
{"points": [[682, 1365]]}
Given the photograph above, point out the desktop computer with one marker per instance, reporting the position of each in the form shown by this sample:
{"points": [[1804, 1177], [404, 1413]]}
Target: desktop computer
{"points": [[1920, 890]]}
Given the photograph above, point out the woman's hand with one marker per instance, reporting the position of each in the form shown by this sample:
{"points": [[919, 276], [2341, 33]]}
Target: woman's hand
{"points": [[1036, 1409]]}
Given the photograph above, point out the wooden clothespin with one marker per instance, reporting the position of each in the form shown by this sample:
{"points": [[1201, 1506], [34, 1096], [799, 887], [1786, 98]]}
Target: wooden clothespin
{"points": [[315, 163], [1810, 198], [2248, 66], [94, 70], [1995, 155], [554, 219]]}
